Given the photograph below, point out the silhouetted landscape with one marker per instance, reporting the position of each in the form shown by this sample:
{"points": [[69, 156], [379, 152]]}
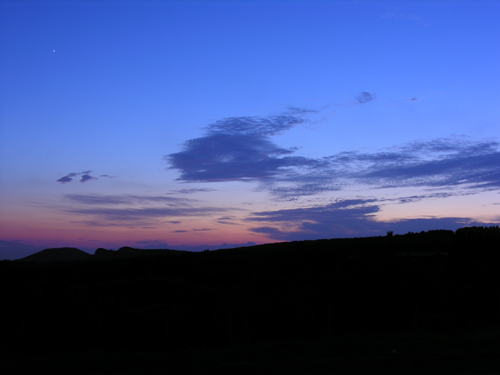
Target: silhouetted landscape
{"points": [[419, 302], [249, 187]]}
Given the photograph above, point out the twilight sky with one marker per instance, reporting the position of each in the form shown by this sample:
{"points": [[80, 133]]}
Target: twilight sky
{"points": [[155, 123]]}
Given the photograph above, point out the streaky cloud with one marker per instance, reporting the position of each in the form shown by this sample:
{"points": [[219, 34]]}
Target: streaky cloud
{"points": [[351, 208], [94, 223], [292, 192], [292, 110], [441, 164], [94, 199], [437, 163], [192, 191], [261, 126], [418, 198], [227, 220], [133, 214]]}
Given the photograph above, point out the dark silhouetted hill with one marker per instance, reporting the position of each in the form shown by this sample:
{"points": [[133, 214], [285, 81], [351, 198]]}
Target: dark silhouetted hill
{"points": [[197, 247], [129, 252], [168, 300], [62, 254]]}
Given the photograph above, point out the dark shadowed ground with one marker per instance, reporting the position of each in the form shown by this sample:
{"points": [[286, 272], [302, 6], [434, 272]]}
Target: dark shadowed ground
{"points": [[422, 303], [474, 351]]}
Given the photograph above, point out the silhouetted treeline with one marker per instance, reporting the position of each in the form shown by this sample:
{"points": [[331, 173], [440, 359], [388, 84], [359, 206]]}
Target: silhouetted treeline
{"points": [[145, 300]]}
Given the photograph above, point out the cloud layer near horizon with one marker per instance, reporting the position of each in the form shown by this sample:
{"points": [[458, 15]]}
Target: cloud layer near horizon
{"points": [[134, 209], [242, 149], [343, 218]]}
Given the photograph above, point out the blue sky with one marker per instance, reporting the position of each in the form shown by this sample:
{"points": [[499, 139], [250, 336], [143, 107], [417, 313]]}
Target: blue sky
{"points": [[203, 122]]}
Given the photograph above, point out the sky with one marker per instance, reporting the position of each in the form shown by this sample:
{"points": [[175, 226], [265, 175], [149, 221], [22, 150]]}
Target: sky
{"points": [[187, 123]]}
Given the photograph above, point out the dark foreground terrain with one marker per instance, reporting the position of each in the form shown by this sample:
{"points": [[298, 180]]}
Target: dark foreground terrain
{"points": [[473, 351], [418, 303]]}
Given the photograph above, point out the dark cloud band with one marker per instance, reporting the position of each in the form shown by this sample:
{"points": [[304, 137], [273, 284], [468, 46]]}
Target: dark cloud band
{"points": [[348, 218], [238, 149]]}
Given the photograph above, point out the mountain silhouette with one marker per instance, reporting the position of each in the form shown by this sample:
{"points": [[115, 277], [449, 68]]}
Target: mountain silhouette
{"points": [[130, 252], [62, 254]]}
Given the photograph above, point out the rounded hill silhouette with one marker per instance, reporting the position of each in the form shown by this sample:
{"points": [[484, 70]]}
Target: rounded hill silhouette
{"points": [[61, 254]]}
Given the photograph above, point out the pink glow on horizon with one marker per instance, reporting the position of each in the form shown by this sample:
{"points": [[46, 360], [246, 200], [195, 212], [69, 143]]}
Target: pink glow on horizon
{"points": [[60, 234]]}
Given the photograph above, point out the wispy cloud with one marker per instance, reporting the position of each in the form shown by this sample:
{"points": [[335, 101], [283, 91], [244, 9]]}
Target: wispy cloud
{"points": [[143, 210], [418, 198], [442, 162], [301, 111], [126, 199], [271, 125], [227, 220], [134, 214], [192, 191], [96, 199], [437, 163], [91, 223], [302, 186]]}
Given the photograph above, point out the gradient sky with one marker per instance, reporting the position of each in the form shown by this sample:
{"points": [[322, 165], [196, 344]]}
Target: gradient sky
{"points": [[155, 123]]}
